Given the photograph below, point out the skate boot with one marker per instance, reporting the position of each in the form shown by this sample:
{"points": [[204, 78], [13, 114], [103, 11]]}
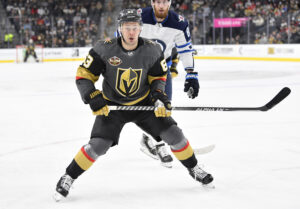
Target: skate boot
{"points": [[147, 147], [200, 175], [63, 186], [164, 157]]}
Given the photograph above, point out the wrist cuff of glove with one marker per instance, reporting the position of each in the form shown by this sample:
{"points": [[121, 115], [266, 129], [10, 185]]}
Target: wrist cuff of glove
{"points": [[91, 95], [160, 95], [192, 75], [156, 92], [96, 100], [173, 70], [189, 70]]}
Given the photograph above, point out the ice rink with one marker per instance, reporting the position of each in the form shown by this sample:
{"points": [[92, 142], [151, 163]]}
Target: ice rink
{"points": [[256, 162]]}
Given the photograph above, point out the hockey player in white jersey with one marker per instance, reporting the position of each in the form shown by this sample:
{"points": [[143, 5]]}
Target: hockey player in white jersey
{"points": [[169, 30]]}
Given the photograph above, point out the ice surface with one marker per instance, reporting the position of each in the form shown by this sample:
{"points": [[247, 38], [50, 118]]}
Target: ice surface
{"points": [[256, 162]]}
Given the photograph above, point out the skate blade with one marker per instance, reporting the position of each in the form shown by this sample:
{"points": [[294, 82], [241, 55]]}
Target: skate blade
{"points": [[167, 165], [57, 197], [144, 150]]}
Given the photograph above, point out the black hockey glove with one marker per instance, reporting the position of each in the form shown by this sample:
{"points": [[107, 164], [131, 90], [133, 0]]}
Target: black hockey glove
{"points": [[161, 103], [191, 84], [97, 103], [174, 72]]}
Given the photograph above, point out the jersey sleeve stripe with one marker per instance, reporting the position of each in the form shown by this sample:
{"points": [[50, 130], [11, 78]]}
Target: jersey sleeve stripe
{"points": [[77, 77], [186, 51], [184, 45], [85, 73]]}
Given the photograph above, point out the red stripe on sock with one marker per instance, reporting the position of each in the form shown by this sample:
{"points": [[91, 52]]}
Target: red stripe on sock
{"points": [[180, 150], [86, 155]]}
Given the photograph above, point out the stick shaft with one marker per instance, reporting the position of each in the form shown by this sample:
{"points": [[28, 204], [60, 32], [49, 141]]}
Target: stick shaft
{"points": [[283, 93], [184, 108]]}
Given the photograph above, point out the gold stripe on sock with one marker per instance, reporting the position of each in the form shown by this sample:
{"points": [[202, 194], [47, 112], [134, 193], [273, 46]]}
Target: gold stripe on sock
{"points": [[82, 160], [184, 153]]}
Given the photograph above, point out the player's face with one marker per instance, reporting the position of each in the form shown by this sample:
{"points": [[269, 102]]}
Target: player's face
{"points": [[161, 8], [130, 32]]}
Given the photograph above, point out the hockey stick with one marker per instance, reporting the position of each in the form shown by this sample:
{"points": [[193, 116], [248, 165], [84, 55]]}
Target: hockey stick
{"points": [[204, 150], [277, 99]]}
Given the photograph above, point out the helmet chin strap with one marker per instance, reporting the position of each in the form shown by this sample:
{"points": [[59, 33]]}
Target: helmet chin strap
{"points": [[122, 35]]}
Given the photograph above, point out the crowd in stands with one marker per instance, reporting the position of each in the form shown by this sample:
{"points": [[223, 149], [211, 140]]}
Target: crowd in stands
{"points": [[55, 23], [110, 22], [272, 21]]}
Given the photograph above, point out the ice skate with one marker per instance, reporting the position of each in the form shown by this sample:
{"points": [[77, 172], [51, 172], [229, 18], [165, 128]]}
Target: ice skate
{"points": [[62, 188], [200, 175], [147, 147], [164, 157]]}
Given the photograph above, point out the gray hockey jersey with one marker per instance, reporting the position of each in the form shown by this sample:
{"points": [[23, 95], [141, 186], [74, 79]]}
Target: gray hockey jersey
{"points": [[128, 76]]}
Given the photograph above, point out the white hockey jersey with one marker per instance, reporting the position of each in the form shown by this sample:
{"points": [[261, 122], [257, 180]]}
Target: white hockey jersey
{"points": [[172, 32]]}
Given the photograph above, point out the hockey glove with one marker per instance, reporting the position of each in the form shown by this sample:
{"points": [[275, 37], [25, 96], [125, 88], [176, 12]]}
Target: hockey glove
{"points": [[191, 84], [97, 103], [161, 103], [175, 60], [174, 72]]}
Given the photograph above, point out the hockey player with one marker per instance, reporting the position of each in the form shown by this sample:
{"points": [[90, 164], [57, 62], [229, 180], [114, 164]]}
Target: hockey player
{"points": [[134, 73], [30, 50], [169, 30]]}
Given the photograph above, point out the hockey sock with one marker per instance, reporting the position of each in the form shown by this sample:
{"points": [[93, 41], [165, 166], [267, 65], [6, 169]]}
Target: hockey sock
{"points": [[80, 163], [186, 156]]}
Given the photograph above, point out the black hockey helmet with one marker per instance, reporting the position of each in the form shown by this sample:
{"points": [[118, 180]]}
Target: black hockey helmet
{"points": [[129, 15]]}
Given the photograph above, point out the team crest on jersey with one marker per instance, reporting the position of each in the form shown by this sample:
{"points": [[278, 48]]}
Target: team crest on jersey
{"points": [[114, 61], [181, 18], [128, 81]]}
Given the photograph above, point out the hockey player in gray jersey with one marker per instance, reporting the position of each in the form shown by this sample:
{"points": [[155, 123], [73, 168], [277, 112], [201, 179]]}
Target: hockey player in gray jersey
{"points": [[170, 31], [134, 73]]}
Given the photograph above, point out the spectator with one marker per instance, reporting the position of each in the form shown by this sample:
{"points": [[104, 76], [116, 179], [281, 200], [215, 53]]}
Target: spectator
{"points": [[8, 39]]}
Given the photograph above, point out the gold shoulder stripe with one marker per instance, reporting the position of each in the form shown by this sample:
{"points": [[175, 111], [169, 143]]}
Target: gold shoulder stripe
{"points": [[107, 41], [85, 73]]}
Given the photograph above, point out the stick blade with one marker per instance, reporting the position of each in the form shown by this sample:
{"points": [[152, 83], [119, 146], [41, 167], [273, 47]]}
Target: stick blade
{"points": [[204, 150], [277, 99]]}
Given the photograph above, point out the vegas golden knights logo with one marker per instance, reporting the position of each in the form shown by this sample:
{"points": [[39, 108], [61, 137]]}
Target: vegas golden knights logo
{"points": [[128, 81]]}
